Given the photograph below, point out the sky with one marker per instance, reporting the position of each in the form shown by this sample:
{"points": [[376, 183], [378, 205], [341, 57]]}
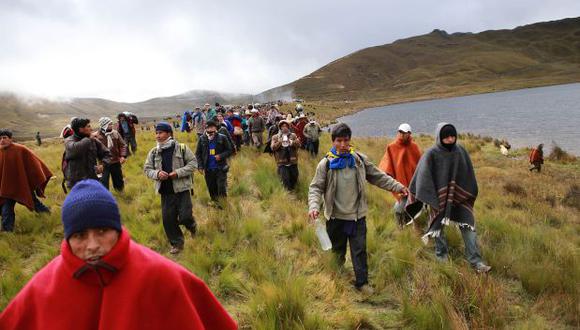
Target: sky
{"points": [[129, 50]]}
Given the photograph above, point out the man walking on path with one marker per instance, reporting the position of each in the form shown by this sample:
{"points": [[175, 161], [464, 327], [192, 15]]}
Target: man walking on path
{"points": [[126, 127], [102, 279], [213, 150], [445, 181], [537, 158], [400, 161], [257, 127], [339, 184], [171, 164], [118, 149], [198, 119], [23, 176], [312, 134], [82, 151], [285, 146]]}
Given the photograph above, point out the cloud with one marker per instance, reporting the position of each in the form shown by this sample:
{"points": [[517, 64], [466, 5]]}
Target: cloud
{"points": [[134, 50]]}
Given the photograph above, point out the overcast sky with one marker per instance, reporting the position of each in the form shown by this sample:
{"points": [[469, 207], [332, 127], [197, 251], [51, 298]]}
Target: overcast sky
{"points": [[134, 50]]}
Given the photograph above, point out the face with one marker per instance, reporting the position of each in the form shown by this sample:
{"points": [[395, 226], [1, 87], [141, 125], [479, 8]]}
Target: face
{"points": [[92, 244], [110, 127], [86, 131], [5, 141], [220, 118], [211, 132], [341, 144], [405, 136], [449, 140], [284, 128], [162, 136]]}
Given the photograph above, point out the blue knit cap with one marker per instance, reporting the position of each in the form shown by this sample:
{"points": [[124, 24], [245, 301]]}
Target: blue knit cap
{"points": [[163, 127], [89, 205]]}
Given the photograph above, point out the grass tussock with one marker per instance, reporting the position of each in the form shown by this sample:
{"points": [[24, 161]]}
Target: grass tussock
{"points": [[263, 261]]}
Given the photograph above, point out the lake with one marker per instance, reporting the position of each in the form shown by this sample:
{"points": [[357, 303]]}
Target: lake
{"points": [[525, 117]]}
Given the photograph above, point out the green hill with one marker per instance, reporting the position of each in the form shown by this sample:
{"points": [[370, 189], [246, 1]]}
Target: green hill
{"points": [[263, 260], [439, 64]]}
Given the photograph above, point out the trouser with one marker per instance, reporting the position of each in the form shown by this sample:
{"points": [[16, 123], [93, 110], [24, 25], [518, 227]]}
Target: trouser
{"points": [[257, 139], [247, 138], [131, 144], [9, 217], [472, 253], [357, 240], [217, 183], [312, 146], [536, 166], [237, 141], [289, 175], [114, 171], [176, 209]]}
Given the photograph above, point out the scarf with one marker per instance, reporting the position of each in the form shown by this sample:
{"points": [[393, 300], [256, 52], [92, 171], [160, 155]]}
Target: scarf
{"points": [[165, 145], [340, 161], [445, 181]]}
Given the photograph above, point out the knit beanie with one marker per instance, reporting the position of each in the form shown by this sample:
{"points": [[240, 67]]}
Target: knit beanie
{"points": [[447, 131], [163, 127], [104, 123], [89, 205]]}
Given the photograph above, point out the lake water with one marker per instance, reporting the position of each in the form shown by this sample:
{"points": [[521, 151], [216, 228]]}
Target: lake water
{"points": [[525, 117]]}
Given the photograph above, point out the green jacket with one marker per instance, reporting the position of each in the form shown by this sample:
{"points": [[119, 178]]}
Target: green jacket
{"points": [[323, 185], [184, 163]]}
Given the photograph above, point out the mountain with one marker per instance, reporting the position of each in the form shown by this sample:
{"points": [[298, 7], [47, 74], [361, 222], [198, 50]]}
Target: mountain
{"points": [[26, 115], [443, 64]]}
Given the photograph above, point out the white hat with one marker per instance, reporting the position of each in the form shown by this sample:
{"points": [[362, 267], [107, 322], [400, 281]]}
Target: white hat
{"points": [[302, 115], [254, 111], [404, 127]]}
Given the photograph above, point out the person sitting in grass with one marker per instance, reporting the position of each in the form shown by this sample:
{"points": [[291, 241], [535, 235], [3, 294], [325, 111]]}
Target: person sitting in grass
{"points": [[339, 183], [400, 161], [171, 164], [285, 146], [445, 181], [102, 279], [23, 176]]}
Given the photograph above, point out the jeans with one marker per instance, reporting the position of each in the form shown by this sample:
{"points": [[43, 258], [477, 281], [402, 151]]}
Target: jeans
{"points": [[116, 173], [217, 183], [176, 209], [312, 147], [358, 246], [472, 253], [131, 144]]}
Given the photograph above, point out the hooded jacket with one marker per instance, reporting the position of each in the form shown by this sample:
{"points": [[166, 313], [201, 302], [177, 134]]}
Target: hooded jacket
{"points": [[445, 181], [132, 288]]}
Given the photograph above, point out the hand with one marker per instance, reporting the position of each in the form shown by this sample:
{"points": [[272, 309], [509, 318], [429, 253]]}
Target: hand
{"points": [[218, 157], [122, 160], [313, 215], [162, 175], [404, 191], [99, 169], [172, 175]]}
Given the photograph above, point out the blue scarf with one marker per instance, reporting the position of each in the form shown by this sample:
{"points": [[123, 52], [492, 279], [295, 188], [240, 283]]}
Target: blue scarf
{"points": [[340, 161]]}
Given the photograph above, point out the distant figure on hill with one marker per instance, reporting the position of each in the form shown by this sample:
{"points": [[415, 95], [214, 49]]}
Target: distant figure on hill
{"points": [[400, 161], [102, 279], [118, 149], [38, 139], [311, 133], [126, 127], [285, 146], [82, 151], [23, 176], [445, 181], [537, 158], [212, 152], [171, 164], [339, 184]]}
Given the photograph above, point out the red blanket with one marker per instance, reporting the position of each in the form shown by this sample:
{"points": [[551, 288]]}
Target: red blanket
{"points": [[136, 289], [400, 161], [21, 172]]}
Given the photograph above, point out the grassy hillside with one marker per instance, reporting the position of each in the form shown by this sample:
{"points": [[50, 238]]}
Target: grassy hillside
{"points": [[263, 261], [439, 64]]}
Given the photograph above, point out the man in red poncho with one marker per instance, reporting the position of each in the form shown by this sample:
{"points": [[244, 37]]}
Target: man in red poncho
{"points": [[400, 161], [23, 176], [104, 280], [537, 158]]}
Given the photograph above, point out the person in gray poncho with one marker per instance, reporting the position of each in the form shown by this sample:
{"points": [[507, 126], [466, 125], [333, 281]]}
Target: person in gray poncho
{"points": [[445, 181]]}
